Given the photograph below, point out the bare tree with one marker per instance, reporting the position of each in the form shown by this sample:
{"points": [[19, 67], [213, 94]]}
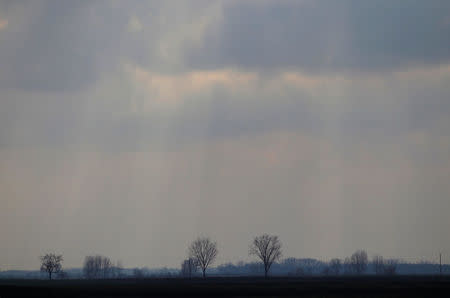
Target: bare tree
{"points": [[51, 263], [90, 267], [204, 252], [359, 261], [382, 266], [107, 267], [378, 264], [348, 268], [390, 267], [335, 266], [188, 267], [97, 267], [268, 249]]}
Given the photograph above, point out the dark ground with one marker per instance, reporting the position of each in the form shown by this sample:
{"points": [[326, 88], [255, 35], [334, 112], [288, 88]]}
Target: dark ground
{"points": [[399, 286]]}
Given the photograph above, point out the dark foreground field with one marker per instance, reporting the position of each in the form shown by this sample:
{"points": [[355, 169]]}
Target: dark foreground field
{"points": [[232, 287]]}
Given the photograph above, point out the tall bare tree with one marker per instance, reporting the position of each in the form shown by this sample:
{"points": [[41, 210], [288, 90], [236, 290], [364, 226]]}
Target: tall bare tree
{"points": [[204, 252], [268, 249], [359, 261], [51, 263]]}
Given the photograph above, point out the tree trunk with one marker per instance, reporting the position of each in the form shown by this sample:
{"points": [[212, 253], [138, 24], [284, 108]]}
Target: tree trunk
{"points": [[50, 275], [204, 275], [265, 273]]}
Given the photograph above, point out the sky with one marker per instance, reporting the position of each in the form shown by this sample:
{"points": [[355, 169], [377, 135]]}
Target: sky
{"points": [[129, 128]]}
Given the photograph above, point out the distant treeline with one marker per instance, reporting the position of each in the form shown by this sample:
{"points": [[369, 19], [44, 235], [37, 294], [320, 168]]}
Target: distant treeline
{"points": [[314, 267], [202, 252], [286, 267]]}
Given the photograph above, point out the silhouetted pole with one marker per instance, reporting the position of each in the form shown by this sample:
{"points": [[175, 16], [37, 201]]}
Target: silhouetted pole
{"points": [[440, 264]]}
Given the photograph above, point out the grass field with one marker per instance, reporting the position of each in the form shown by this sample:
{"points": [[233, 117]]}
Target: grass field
{"points": [[399, 286]]}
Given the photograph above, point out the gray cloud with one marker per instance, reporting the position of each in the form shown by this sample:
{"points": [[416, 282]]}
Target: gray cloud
{"points": [[67, 45], [62, 45], [324, 36]]}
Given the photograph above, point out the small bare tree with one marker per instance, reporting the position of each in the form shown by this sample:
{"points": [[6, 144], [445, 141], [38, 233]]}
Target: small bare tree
{"points": [[347, 266], [51, 263], [359, 261], [204, 252], [335, 266], [390, 267], [382, 266], [97, 267], [188, 267], [91, 267], [378, 264], [268, 249], [107, 267]]}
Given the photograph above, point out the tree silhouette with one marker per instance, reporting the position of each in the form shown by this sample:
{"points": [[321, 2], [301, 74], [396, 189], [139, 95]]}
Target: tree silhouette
{"points": [[268, 249], [204, 252], [51, 263], [359, 261]]}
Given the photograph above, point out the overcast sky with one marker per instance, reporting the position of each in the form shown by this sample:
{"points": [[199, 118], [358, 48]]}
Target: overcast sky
{"points": [[128, 128]]}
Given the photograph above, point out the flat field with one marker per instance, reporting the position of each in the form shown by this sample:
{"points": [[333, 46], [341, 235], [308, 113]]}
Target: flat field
{"points": [[398, 286]]}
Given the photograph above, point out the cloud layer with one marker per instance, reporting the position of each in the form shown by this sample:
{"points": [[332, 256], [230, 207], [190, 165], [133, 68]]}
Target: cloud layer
{"points": [[326, 36], [138, 125]]}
